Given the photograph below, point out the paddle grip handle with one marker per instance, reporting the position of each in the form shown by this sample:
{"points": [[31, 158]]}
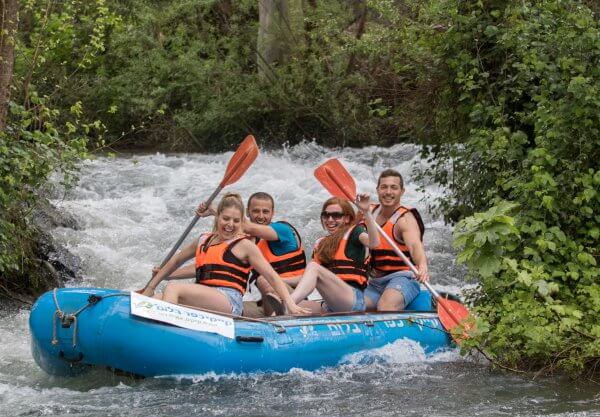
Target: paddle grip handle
{"points": [[189, 228]]}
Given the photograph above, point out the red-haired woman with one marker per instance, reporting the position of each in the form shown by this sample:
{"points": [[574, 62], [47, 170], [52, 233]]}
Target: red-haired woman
{"points": [[339, 266]]}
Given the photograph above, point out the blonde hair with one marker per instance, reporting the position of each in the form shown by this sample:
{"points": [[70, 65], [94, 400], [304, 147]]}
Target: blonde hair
{"points": [[329, 244], [229, 200]]}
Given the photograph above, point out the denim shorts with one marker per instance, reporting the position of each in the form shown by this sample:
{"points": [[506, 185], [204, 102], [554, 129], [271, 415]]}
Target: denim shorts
{"points": [[359, 302], [402, 281], [235, 299]]}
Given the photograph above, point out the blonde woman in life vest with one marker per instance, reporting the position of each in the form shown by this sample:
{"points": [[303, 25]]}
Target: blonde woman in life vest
{"points": [[278, 241], [223, 261], [339, 266]]}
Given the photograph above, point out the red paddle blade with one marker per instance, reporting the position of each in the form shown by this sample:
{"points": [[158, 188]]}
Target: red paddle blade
{"points": [[241, 160], [455, 318], [336, 179]]}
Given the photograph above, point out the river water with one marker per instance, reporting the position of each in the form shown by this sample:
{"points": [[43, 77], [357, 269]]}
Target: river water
{"points": [[133, 208]]}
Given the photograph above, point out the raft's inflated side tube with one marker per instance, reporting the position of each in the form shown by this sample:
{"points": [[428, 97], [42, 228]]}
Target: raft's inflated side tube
{"points": [[103, 333]]}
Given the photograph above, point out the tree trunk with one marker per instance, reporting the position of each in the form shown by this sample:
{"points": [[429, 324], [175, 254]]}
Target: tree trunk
{"points": [[279, 34], [8, 29], [360, 12]]}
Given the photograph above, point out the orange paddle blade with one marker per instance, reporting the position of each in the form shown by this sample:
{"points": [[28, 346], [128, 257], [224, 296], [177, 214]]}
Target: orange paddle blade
{"points": [[241, 160], [334, 177], [455, 318]]}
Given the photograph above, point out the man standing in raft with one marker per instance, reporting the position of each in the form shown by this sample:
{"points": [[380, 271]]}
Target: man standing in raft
{"points": [[392, 285], [279, 242]]}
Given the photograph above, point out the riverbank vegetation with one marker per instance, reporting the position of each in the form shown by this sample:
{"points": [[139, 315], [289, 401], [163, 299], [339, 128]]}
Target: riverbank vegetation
{"points": [[48, 51], [526, 90], [504, 96]]}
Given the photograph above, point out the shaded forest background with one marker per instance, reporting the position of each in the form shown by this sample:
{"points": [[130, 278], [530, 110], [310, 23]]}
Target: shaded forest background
{"points": [[504, 96]]}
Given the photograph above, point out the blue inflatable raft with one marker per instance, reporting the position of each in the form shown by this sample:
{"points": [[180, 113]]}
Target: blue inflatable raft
{"points": [[78, 328]]}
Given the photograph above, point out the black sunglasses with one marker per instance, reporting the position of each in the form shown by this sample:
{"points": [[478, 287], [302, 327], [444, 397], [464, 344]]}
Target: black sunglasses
{"points": [[335, 215]]}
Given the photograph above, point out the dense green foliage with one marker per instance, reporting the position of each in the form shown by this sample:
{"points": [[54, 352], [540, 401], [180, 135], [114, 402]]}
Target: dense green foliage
{"points": [[45, 133], [185, 77], [525, 83]]}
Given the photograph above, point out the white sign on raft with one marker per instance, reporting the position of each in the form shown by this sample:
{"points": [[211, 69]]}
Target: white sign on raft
{"points": [[188, 318]]}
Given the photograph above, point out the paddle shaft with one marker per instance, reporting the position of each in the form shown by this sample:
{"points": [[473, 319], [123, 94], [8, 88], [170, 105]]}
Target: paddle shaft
{"points": [[433, 292], [389, 240], [190, 226], [405, 258]]}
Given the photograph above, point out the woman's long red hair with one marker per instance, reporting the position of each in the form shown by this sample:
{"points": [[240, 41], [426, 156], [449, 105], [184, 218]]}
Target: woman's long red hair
{"points": [[329, 244]]}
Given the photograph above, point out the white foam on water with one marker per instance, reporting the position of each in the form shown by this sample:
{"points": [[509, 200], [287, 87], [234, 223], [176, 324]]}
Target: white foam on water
{"points": [[211, 376], [15, 349], [574, 414], [404, 352], [134, 209], [20, 399], [400, 352]]}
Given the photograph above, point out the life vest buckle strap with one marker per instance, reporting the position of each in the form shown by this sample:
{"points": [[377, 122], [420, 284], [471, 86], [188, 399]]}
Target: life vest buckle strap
{"points": [[292, 268], [211, 269], [300, 258]]}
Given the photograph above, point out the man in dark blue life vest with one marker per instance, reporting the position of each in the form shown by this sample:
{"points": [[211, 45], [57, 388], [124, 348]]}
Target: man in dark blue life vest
{"points": [[392, 285], [279, 242]]}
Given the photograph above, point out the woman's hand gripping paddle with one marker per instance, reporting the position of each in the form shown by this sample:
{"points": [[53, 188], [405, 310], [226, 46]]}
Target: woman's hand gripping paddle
{"points": [[239, 163], [453, 315]]}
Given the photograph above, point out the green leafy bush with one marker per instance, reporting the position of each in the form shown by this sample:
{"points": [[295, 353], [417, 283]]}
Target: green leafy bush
{"points": [[525, 86], [53, 48]]}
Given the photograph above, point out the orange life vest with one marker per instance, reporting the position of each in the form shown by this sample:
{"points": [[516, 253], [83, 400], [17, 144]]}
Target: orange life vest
{"points": [[383, 257], [289, 264], [352, 272], [217, 266]]}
